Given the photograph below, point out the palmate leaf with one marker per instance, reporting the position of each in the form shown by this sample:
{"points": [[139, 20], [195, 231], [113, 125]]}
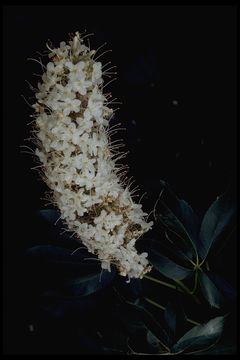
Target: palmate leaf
{"points": [[200, 337], [215, 221], [166, 266]]}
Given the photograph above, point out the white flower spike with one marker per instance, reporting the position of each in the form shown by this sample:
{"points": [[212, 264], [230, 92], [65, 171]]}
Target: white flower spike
{"points": [[78, 164]]}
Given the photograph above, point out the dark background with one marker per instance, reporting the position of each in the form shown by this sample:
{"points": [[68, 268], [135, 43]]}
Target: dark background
{"points": [[177, 81]]}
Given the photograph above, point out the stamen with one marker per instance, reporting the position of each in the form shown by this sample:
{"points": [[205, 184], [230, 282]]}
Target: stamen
{"points": [[105, 52], [109, 82], [101, 46]]}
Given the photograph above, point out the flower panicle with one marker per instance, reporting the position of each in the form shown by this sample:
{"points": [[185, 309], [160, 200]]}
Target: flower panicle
{"points": [[79, 161]]}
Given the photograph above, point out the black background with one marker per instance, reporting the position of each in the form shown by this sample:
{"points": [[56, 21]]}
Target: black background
{"points": [[177, 81]]}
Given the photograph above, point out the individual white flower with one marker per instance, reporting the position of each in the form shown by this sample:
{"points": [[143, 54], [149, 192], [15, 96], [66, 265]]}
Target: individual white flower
{"points": [[77, 77], [95, 103], [97, 73]]}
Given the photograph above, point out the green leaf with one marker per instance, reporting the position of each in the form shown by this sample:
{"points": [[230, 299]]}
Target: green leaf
{"points": [[210, 291], [130, 290], [174, 224], [200, 336], [178, 216], [166, 266], [170, 317], [223, 286], [129, 318], [175, 318], [215, 221], [86, 285], [152, 324], [145, 319], [62, 257], [153, 342], [62, 269], [167, 247], [56, 305], [50, 215], [64, 236]]}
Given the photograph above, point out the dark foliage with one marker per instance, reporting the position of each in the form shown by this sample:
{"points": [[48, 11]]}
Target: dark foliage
{"points": [[71, 289]]}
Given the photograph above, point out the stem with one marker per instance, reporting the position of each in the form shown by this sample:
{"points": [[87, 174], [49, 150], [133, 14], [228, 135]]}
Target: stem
{"points": [[160, 282], [140, 353], [191, 321], [183, 288], [195, 282], [163, 308], [137, 353], [155, 303], [187, 290]]}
